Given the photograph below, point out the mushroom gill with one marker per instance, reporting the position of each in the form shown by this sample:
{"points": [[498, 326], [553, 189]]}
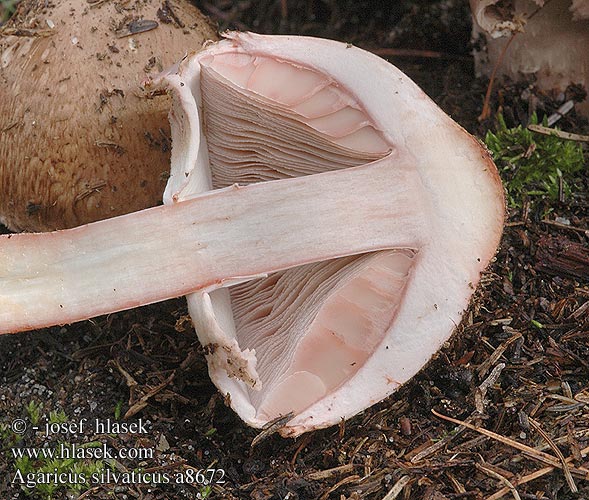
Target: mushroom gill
{"points": [[314, 326]]}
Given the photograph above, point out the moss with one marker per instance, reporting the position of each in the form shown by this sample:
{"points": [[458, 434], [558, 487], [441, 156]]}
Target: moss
{"points": [[532, 164], [39, 469], [7, 8]]}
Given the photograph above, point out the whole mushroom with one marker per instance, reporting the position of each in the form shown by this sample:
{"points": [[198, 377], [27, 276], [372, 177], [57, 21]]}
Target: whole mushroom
{"points": [[79, 139], [330, 226]]}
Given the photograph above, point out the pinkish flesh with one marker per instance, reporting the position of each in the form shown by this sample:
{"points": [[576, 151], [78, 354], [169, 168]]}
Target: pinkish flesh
{"points": [[202, 243]]}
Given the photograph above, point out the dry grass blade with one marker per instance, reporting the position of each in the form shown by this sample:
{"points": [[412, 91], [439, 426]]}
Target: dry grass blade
{"points": [[349, 479], [565, 467], [540, 129], [503, 479], [491, 360], [529, 451], [530, 477], [397, 488], [271, 428]]}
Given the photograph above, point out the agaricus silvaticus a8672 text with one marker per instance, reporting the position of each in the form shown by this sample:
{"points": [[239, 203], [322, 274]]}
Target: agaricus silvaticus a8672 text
{"points": [[79, 139], [328, 221]]}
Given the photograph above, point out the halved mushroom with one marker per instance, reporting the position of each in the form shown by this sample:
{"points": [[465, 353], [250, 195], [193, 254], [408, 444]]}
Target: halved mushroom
{"points": [[551, 42], [328, 281]]}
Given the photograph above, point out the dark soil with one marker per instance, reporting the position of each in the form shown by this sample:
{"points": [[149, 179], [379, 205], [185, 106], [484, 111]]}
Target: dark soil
{"points": [[517, 366]]}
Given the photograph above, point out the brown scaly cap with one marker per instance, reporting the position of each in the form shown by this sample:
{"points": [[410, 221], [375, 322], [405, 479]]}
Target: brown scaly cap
{"points": [[79, 139]]}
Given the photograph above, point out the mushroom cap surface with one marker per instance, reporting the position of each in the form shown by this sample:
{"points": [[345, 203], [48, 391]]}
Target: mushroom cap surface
{"points": [[79, 139]]}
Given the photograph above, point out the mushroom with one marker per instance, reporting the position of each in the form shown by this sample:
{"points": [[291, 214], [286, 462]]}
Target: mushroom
{"points": [[328, 220], [79, 139], [551, 42]]}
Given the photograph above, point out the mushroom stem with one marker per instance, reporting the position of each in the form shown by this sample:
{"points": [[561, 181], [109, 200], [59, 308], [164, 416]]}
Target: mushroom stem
{"points": [[210, 241]]}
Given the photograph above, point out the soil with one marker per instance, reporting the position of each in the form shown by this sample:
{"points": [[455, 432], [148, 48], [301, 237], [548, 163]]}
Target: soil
{"points": [[517, 366]]}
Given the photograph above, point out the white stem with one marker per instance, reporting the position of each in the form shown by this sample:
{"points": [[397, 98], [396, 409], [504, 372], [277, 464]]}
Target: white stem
{"points": [[206, 242]]}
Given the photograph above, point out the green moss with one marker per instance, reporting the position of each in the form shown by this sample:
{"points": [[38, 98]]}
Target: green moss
{"points": [[39, 469], [57, 417], [533, 164], [118, 409], [7, 8], [34, 410], [41, 472]]}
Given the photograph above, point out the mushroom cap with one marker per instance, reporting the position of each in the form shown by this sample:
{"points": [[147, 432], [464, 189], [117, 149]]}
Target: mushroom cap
{"points": [[270, 342], [79, 139]]}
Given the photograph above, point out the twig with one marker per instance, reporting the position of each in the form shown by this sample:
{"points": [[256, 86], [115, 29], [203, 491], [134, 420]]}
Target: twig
{"points": [[560, 225], [131, 382], [486, 112], [304, 442], [530, 477], [497, 353], [173, 14], [8, 127], [358, 447], [428, 54], [540, 129], [438, 445], [529, 451], [224, 16], [326, 474], [89, 492], [457, 485], [560, 112], [346, 480], [95, 3], [481, 390], [503, 479], [397, 488], [144, 400], [552, 444], [28, 33]]}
